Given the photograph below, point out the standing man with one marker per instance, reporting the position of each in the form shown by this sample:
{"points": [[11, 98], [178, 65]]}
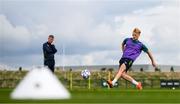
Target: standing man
{"points": [[49, 50]]}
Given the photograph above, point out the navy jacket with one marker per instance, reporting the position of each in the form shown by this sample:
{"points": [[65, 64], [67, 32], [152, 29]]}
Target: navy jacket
{"points": [[49, 51]]}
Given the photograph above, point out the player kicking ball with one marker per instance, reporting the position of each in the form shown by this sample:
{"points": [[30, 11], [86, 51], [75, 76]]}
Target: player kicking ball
{"points": [[131, 48]]}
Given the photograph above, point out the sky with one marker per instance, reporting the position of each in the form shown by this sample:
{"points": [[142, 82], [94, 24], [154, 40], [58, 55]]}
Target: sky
{"points": [[91, 31]]}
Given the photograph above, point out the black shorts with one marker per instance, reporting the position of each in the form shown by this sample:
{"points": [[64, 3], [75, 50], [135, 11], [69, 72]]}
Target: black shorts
{"points": [[127, 62]]}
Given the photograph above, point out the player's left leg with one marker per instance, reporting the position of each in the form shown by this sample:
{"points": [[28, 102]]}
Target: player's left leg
{"points": [[129, 78], [118, 75]]}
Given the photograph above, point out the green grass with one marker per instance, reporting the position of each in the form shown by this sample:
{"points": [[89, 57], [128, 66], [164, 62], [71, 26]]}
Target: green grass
{"points": [[105, 96]]}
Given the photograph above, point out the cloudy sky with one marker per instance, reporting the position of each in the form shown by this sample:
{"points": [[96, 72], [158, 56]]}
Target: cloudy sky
{"points": [[91, 31]]}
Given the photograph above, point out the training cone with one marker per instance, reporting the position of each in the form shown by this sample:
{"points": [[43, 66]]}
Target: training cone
{"points": [[40, 83]]}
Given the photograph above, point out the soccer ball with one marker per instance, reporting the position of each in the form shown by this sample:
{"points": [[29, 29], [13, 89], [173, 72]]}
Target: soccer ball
{"points": [[85, 74]]}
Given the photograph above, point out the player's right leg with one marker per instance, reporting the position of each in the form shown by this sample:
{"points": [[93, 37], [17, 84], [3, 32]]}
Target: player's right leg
{"points": [[118, 75], [129, 78]]}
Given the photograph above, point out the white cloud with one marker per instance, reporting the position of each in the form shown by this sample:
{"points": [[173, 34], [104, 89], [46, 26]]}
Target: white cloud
{"points": [[12, 36], [17, 38]]}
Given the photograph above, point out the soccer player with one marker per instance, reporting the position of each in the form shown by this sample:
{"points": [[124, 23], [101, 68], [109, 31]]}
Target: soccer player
{"points": [[131, 48], [49, 50]]}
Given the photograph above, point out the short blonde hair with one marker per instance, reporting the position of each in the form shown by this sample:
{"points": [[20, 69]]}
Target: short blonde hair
{"points": [[137, 30]]}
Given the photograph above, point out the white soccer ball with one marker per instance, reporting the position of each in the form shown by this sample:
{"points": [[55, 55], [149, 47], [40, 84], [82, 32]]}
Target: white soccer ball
{"points": [[85, 73]]}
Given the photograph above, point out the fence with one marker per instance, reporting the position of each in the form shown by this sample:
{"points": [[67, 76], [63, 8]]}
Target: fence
{"points": [[73, 79]]}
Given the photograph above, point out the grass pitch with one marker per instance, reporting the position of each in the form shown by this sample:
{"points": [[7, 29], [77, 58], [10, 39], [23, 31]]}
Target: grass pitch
{"points": [[105, 96]]}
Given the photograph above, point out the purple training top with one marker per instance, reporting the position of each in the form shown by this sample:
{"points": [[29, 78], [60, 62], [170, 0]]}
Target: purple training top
{"points": [[133, 48]]}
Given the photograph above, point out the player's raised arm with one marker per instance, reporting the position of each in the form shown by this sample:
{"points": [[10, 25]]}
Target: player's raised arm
{"points": [[152, 59]]}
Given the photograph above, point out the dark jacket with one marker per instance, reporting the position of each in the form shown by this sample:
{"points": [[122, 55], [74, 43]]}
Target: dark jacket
{"points": [[49, 51]]}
